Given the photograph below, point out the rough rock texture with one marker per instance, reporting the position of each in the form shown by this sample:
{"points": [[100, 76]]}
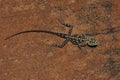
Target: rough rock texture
{"points": [[29, 57]]}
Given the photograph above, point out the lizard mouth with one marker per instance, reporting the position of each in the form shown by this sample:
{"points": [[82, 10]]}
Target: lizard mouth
{"points": [[92, 46]]}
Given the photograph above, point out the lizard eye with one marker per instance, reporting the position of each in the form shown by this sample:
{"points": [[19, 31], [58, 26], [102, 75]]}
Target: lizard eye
{"points": [[92, 42]]}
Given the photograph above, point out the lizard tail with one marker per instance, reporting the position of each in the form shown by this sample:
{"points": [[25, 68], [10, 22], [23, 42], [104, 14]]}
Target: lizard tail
{"points": [[49, 32]]}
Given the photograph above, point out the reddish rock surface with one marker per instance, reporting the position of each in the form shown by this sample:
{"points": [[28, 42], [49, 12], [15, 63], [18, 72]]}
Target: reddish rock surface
{"points": [[29, 57]]}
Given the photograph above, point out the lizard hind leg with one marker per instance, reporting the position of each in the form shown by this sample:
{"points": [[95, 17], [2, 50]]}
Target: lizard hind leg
{"points": [[60, 45], [67, 25]]}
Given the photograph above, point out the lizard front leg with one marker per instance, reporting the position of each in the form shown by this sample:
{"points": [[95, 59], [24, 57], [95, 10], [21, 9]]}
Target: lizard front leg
{"points": [[82, 44], [80, 47]]}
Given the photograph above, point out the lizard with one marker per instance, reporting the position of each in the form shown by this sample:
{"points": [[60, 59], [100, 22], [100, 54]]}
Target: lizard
{"points": [[79, 40]]}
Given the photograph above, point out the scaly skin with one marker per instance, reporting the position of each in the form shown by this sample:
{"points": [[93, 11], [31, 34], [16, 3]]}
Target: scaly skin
{"points": [[79, 40]]}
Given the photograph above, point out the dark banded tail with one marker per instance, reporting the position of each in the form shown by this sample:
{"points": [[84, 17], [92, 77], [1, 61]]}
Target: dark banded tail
{"points": [[62, 35]]}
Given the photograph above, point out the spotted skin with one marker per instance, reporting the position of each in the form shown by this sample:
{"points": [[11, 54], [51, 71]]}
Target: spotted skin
{"points": [[79, 40]]}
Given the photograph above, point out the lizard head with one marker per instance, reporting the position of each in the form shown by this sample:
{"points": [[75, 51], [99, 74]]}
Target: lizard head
{"points": [[91, 42]]}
